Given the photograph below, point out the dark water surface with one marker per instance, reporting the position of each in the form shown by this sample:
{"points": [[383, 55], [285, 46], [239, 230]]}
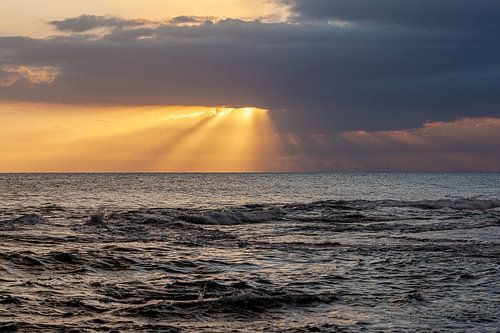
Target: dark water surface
{"points": [[246, 253]]}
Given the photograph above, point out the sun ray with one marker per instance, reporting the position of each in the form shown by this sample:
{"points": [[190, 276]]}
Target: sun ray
{"points": [[67, 138]]}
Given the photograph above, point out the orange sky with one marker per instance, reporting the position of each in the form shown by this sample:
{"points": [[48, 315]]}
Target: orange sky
{"points": [[40, 138], [29, 17], [64, 138]]}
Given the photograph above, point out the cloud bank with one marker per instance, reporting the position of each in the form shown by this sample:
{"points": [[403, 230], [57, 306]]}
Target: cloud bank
{"points": [[466, 16], [354, 77]]}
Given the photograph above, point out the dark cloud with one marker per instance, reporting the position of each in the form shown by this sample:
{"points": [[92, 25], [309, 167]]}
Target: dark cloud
{"points": [[465, 15], [85, 23], [184, 19], [465, 145], [314, 76]]}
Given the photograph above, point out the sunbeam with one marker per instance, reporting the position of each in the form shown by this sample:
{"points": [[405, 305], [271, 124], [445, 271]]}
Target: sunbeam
{"points": [[159, 139]]}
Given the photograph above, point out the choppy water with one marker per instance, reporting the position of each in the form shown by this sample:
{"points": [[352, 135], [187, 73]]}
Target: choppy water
{"points": [[269, 252]]}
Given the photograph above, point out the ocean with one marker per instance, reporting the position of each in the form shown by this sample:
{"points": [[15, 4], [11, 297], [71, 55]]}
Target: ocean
{"points": [[249, 252]]}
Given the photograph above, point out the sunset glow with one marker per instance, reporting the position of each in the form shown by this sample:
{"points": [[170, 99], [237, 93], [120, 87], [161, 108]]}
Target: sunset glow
{"points": [[68, 138], [28, 21], [247, 85]]}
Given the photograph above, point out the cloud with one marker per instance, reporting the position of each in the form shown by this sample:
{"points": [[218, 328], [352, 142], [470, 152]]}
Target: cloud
{"points": [[465, 145], [190, 20], [312, 76], [467, 134], [9, 75], [86, 23], [465, 15], [348, 82]]}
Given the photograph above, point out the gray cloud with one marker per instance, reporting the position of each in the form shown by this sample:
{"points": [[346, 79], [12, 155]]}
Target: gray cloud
{"points": [[185, 19], [465, 145], [314, 76], [465, 15], [86, 23]]}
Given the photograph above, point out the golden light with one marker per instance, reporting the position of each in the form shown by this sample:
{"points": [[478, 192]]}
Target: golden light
{"points": [[42, 138], [223, 139], [32, 20]]}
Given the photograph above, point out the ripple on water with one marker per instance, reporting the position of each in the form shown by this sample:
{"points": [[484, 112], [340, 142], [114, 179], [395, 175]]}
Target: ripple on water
{"points": [[326, 266]]}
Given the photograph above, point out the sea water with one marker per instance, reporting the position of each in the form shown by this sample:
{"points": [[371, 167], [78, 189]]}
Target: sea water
{"points": [[249, 252]]}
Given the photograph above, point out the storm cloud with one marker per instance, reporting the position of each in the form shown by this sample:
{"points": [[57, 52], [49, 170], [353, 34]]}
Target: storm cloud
{"points": [[455, 15], [393, 65]]}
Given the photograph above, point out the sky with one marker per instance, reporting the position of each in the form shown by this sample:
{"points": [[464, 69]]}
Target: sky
{"points": [[249, 85]]}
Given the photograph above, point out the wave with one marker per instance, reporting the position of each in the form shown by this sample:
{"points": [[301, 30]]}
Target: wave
{"points": [[228, 217], [338, 211], [248, 304], [25, 220], [454, 204], [333, 210]]}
